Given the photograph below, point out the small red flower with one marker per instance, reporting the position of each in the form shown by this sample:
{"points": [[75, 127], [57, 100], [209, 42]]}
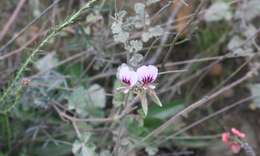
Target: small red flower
{"points": [[230, 139], [238, 133], [235, 147], [225, 137]]}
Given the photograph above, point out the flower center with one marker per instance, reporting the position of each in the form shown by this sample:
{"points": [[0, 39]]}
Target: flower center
{"points": [[147, 79], [126, 81]]}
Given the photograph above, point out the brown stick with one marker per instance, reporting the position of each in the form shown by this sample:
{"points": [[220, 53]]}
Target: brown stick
{"points": [[12, 19], [198, 104], [34, 38]]}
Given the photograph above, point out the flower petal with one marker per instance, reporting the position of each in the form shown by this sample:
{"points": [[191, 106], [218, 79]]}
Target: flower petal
{"points": [[153, 70], [147, 74], [235, 148], [126, 75], [133, 78], [237, 133], [225, 137], [122, 70]]}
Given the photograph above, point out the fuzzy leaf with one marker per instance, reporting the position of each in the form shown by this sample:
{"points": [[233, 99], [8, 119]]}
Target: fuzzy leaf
{"points": [[120, 15], [140, 9], [237, 47], [152, 32], [151, 150], [218, 11], [116, 27], [39, 96], [85, 101], [105, 153], [77, 101], [169, 109], [136, 59], [47, 62], [83, 149], [255, 90], [142, 17], [51, 149], [149, 2], [121, 37], [235, 43], [134, 46], [96, 95], [251, 9], [93, 18], [118, 97]]}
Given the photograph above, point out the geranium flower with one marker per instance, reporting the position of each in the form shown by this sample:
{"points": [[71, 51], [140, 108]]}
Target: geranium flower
{"points": [[147, 75], [127, 77], [238, 133], [225, 137], [230, 139], [235, 147]]}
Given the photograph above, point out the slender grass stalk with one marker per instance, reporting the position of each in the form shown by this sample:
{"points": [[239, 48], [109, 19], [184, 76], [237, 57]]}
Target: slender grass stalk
{"points": [[6, 130], [52, 33]]}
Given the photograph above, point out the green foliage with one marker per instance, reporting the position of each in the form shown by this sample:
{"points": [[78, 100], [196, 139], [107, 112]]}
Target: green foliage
{"points": [[255, 90], [59, 149], [118, 97], [151, 150], [155, 117], [61, 105], [208, 37], [53, 32], [149, 2], [169, 109], [81, 147], [134, 46], [85, 102], [152, 32], [74, 70], [135, 128], [47, 62], [123, 26]]}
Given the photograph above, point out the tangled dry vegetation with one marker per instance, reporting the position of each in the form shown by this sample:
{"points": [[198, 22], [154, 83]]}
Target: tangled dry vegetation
{"points": [[74, 79]]}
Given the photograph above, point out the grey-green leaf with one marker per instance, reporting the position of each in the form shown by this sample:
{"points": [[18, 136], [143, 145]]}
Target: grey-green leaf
{"points": [[83, 149], [134, 46], [118, 97], [47, 62], [255, 90], [149, 2], [152, 32], [86, 102], [96, 95], [77, 101]]}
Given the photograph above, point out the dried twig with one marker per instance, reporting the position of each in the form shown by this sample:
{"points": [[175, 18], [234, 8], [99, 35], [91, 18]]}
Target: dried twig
{"points": [[28, 25], [12, 19], [199, 103]]}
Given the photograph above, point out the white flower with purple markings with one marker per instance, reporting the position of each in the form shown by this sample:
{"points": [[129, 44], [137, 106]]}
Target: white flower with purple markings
{"points": [[127, 76], [140, 82], [147, 75]]}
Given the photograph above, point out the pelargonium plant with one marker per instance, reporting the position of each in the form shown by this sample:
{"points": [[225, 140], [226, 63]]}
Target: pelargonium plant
{"points": [[127, 76], [233, 139], [140, 82]]}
